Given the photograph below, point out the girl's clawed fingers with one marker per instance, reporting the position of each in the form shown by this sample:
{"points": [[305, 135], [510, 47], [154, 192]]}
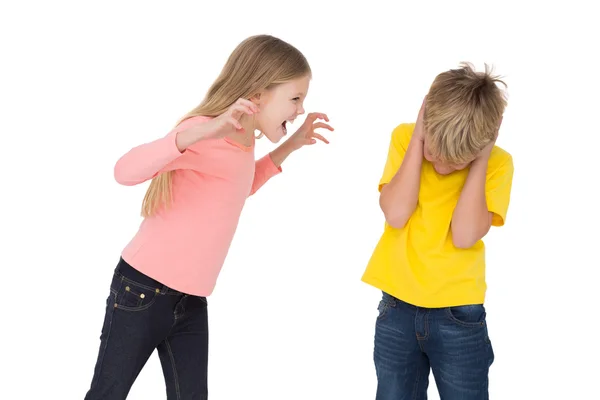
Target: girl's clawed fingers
{"points": [[322, 125], [320, 137]]}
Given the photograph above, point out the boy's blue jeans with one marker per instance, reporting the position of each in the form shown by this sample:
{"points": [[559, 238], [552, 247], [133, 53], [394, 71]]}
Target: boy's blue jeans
{"points": [[452, 342]]}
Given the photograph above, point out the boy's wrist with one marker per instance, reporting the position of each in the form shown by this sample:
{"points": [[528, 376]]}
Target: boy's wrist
{"points": [[478, 170], [480, 163], [416, 144]]}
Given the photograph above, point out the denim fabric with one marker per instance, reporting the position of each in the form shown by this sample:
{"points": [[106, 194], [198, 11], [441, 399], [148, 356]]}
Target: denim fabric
{"points": [[142, 315], [411, 341]]}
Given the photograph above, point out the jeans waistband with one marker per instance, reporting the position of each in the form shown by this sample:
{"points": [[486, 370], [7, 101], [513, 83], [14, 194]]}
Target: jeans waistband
{"points": [[132, 274]]}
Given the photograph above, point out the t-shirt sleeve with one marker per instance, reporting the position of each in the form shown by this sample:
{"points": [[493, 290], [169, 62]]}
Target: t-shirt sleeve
{"points": [[397, 149], [498, 189]]}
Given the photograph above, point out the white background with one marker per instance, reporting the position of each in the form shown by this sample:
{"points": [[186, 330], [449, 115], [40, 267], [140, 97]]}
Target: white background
{"points": [[83, 82]]}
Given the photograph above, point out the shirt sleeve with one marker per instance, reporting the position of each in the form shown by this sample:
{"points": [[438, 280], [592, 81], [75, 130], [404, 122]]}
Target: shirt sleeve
{"points": [[148, 160], [265, 169], [498, 189], [396, 152]]}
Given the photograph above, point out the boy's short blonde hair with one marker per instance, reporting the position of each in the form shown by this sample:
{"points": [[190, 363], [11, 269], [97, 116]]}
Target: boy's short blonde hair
{"points": [[463, 112]]}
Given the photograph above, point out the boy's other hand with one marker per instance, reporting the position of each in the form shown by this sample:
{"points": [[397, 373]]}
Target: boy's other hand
{"points": [[487, 150], [419, 132]]}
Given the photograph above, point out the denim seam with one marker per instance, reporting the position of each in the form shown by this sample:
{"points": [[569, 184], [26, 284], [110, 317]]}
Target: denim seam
{"points": [[426, 333], [416, 388], [111, 312], [175, 377]]}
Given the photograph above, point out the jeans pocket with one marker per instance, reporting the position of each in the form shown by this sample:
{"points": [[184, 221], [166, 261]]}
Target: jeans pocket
{"points": [[382, 309], [470, 316], [384, 306], [133, 290], [135, 298]]}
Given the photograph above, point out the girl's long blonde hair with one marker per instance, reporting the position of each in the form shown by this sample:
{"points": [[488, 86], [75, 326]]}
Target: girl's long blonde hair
{"points": [[258, 63]]}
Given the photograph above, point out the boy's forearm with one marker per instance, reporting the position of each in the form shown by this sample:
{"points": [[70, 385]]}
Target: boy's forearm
{"points": [[471, 219], [399, 197]]}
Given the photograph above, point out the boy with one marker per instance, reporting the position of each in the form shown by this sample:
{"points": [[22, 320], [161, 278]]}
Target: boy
{"points": [[444, 185]]}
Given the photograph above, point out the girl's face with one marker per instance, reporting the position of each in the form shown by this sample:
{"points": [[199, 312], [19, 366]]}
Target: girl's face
{"points": [[281, 105]]}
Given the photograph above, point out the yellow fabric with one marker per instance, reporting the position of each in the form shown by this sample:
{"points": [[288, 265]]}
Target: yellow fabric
{"points": [[419, 263]]}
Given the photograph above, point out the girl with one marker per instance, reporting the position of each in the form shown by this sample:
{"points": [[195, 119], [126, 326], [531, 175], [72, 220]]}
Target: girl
{"points": [[202, 172]]}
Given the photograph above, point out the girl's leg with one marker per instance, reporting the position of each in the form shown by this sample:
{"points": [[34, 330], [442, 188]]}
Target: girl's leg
{"points": [[184, 352], [137, 318]]}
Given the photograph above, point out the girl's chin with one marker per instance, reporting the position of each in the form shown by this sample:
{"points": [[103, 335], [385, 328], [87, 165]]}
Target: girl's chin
{"points": [[276, 135]]}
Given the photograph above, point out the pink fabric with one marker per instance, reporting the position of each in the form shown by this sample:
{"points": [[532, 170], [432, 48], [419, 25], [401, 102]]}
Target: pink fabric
{"points": [[185, 246]]}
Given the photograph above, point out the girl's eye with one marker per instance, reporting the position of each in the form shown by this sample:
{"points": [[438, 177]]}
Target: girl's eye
{"points": [[296, 98]]}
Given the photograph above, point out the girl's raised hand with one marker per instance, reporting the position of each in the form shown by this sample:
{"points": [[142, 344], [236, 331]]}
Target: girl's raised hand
{"points": [[229, 121], [218, 127], [306, 135]]}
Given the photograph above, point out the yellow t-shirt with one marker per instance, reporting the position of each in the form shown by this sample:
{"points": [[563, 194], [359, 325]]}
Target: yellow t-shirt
{"points": [[419, 263]]}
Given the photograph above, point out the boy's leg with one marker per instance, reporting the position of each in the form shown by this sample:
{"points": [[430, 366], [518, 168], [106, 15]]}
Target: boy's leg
{"points": [[460, 352], [184, 352], [134, 323], [402, 368]]}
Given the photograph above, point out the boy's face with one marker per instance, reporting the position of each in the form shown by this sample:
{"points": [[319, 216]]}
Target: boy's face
{"points": [[440, 167]]}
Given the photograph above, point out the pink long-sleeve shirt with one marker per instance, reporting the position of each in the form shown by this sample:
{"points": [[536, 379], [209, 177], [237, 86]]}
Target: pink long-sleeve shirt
{"points": [[184, 247]]}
